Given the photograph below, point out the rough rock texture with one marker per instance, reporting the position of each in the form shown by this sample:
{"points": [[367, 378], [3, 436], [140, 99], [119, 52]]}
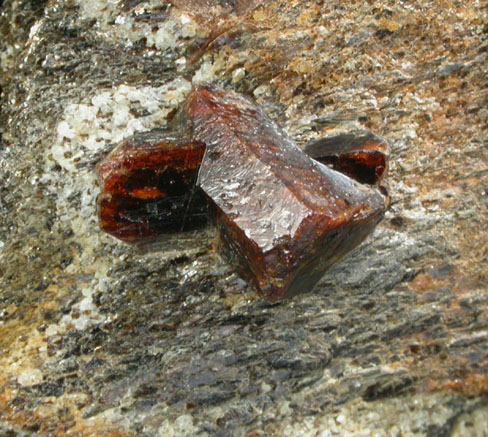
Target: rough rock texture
{"points": [[97, 338]]}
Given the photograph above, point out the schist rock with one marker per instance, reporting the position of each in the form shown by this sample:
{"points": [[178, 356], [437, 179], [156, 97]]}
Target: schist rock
{"points": [[282, 218], [361, 155], [148, 187]]}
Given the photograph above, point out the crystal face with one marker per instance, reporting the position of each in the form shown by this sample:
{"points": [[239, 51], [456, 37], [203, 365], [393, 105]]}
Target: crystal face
{"points": [[148, 187], [362, 156], [282, 218]]}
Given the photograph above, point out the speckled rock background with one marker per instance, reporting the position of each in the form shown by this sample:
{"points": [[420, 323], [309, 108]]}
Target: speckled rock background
{"points": [[101, 339]]}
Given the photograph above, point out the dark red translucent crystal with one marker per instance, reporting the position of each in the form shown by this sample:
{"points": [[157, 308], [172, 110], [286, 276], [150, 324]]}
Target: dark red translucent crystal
{"points": [[282, 218], [148, 187], [362, 156]]}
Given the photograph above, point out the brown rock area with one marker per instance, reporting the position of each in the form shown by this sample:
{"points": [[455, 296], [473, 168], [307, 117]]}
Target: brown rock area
{"points": [[100, 338]]}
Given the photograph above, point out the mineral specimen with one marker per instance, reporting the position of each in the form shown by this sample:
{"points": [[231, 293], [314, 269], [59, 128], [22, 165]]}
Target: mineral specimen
{"points": [[148, 187], [363, 156], [282, 218]]}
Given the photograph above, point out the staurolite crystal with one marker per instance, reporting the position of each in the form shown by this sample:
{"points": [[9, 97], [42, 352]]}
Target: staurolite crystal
{"points": [[362, 155], [148, 187], [282, 218]]}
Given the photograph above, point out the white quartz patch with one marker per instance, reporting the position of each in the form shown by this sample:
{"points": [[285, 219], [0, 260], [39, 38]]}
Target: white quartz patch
{"points": [[121, 25], [182, 426], [108, 118], [84, 134], [30, 377]]}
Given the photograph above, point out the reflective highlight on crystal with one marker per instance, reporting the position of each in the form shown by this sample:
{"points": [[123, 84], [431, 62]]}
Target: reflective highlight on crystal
{"points": [[282, 218]]}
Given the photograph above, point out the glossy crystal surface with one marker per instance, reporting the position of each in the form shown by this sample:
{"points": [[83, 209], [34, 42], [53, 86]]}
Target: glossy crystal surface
{"points": [[282, 218], [362, 155], [148, 187]]}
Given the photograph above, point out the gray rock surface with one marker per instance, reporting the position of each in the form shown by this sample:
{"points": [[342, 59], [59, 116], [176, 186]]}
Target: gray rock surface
{"points": [[99, 338]]}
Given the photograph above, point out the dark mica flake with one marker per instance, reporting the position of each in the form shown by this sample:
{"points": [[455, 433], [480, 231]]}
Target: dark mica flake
{"points": [[282, 218]]}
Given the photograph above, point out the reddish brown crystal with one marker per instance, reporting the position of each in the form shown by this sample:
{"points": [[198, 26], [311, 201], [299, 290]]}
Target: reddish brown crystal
{"points": [[148, 187], [282, 218], [362, 156]]}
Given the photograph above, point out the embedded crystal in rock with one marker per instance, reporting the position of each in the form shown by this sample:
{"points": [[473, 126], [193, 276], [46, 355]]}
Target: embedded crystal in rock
{"points": [[148, 187], [282, 218], [362, 156]]}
